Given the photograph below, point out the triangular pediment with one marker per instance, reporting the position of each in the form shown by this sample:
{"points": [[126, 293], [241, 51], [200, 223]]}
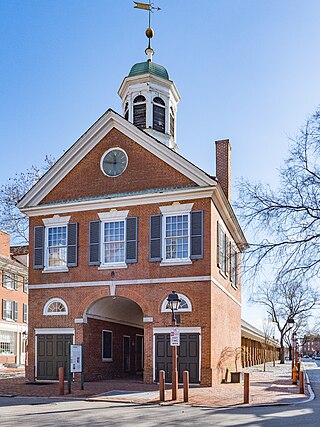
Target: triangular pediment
{"points": [[150, 162]]}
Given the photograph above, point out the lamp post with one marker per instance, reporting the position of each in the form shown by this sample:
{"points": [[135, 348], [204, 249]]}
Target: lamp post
{"points": [[173, 303], [291, 322]]}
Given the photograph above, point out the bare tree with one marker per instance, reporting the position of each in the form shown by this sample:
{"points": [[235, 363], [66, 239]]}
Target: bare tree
{"points": [[285, 301], [12, 220], [268, 332], [286, 221]]}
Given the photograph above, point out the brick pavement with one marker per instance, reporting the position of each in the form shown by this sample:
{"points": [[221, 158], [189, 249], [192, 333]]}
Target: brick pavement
{"points": [[270, 387]]}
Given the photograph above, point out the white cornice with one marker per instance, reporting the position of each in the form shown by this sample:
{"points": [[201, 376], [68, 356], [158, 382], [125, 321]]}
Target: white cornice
{"points": [[90, 138], [119, 202]]}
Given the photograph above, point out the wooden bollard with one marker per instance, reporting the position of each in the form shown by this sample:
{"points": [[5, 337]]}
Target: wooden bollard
{"points": [[301, 382], [246, 387], [186, 386], [61, 380], [161, 385]]}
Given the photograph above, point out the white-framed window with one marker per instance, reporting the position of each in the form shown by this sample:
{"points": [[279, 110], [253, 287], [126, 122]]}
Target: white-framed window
{"points": [[9, 310], [222, 250], [55, 307], [25, 313], [25, 285], [113, 232], [176, 234], [185, 305], [10, 280], [234, 266], [159, 114], [7, 342], [106, 346], [56, 243]]}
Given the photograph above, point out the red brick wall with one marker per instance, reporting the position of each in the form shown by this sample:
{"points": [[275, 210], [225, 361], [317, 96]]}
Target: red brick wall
{"points": [[95, 368], [4, 244], [223, 165], [18, 296], [87, 179]]}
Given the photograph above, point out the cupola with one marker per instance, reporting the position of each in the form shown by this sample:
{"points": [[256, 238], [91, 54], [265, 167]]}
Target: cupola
{"points": [[150, 98]]}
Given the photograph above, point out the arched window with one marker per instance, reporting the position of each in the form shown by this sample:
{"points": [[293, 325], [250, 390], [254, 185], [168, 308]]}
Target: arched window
{"points": [[139, 111], [171, 122], [159, 119], [55, 307], [126, 111], [184, 306]]}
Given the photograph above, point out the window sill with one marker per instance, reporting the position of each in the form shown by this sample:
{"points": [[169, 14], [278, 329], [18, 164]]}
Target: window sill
{"points": [[113, 266], [173, 262], [55, 270], [107, 360]]}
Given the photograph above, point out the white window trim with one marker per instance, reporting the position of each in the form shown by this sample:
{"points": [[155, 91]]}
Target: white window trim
{"points": [[112, 216], [55, 221], [106, 359], [173, 210], [60, 313], [164, 308]]}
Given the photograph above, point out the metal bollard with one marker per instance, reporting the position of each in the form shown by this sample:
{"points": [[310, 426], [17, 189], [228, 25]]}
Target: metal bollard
{"points": [[301, 382], [186, 386], [161, 385], [61, 381], [246, 387]]}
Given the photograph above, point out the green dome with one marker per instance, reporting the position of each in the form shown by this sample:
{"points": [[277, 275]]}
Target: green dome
{"points": [[149, 67]]}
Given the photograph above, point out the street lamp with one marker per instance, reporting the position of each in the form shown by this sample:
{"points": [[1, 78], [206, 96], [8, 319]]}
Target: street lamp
{"points": [[173, 303], [291, 322]]}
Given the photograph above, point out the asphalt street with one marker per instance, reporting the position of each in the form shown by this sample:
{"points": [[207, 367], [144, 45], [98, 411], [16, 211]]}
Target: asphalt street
{"points": [[15, 411]]}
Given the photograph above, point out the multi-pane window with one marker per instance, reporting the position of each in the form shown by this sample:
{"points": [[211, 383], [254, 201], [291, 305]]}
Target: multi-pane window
{"points": [[25, 313], [177, 237], [10, 280], [55, 306], [9, 310], [25, 285], [107, 345], [7, 342], [57, 246], [113, 242], [227, 256]]}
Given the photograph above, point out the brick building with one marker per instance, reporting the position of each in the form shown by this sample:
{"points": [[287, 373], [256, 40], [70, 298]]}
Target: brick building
{"points": [[116, 224], [14, 302]]}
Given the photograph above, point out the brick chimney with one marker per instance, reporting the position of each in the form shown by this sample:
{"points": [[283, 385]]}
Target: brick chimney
{"points": [[223, 166], [4, 244]]}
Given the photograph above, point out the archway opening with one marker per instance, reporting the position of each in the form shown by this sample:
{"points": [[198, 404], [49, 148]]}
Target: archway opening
{"points": [[113, 339]]}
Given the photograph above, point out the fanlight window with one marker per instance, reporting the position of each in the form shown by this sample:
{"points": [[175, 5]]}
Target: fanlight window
{"points": [[184, 306], [139, 111], [55, 307], [159, 120]]}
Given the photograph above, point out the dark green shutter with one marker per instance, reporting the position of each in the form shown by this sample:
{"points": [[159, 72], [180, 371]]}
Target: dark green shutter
{"points": [[73, 244], [94, 242], [132, 240], [155, 237], [196, 234], [38, 255]]}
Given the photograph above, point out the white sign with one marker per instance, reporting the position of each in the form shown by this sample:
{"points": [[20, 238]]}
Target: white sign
{"points": [[76, 358], [175, 337]]}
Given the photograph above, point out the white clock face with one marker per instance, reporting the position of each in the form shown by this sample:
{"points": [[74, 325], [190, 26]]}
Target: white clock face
{"points": [[114, 162]]}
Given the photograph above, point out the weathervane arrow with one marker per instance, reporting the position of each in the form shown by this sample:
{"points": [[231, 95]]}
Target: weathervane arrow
{"points": [[145, 6]]}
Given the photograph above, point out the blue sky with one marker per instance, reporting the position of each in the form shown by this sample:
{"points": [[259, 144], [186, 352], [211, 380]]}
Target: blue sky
{"points": [[247, 70]]}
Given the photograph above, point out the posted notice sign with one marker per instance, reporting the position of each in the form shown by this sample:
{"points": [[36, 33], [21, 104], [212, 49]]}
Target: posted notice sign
{"points": [[175, 337], [76, 358]]}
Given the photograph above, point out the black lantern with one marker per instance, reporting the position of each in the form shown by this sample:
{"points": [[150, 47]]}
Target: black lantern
{"points": [[173, 303]]}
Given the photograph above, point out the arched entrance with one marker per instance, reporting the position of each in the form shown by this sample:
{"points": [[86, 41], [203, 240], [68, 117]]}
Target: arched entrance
{"points": [[113, 339]]}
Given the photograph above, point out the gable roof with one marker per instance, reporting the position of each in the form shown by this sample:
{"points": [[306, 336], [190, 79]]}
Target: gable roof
{"points": [[109, 120]]}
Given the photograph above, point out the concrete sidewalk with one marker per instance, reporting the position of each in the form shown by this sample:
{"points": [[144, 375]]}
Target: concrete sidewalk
{"points": [[270, 387]]}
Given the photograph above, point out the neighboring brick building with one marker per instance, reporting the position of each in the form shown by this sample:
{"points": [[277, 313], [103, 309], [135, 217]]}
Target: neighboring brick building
{"points": [[116, 224], [14, 302]]}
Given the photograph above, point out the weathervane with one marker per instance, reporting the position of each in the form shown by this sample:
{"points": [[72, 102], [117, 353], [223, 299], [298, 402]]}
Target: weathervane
{"points": [[149, 31]]}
